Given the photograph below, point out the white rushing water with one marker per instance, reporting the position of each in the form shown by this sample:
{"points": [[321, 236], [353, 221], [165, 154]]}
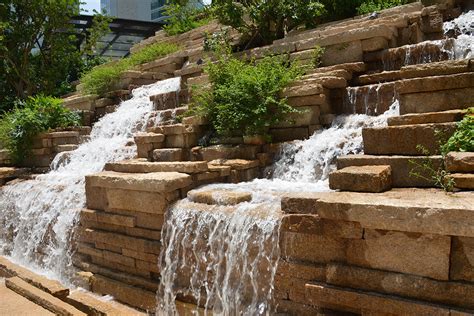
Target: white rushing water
{"points": [[225, 257], [38, 216], [464, 42]]}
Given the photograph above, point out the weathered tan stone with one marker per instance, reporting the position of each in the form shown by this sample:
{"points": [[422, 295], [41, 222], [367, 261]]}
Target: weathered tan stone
{"points": [[346, 52], [446, 67], [462, 259], [108, 218], [148, 257], [131, 295], [226, 152], [409, 210], [219, 197], [375, 43], [303, 90], [310, 100], [139, 201], [236, 164], [362, 179], [168, 154], [434, 101], [308, 115], [90, 305], [456, 81], [312, 224], [423, 254], [123, 241], [144, 220], [150, 182], [463, 180], [41, 298], [143, 233], [139, 166], [426, 118], [361, 302], [311, 248], [145, 138], [460, 162], [401, 167], [404, 285], [9, 269], [356, 67], [405, 139]]}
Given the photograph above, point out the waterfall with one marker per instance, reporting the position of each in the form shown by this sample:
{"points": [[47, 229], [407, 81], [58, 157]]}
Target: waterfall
{"points": [[38, 216], [463, 26], [225, 257]]}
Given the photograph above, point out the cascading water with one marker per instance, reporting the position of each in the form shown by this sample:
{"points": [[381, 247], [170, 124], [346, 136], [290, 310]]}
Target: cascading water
{"points": [[38, 216], [463, 27], [225, 257]]}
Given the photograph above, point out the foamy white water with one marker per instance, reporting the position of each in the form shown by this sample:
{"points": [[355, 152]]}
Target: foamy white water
{"points": [[464, 43], [226, 257], [38, 216]]}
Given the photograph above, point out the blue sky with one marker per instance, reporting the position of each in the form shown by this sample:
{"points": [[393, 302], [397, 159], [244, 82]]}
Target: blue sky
{"points": [[91, 5]]}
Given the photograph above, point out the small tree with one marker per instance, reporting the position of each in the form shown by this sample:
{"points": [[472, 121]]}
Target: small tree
{"points": [[39, 46]]}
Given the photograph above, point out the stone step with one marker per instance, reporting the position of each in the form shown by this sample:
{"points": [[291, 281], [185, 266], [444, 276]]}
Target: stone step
{"points": [[168, 154], [427, 118], [226, 152], [460, 162], [401, 167], [364, 302], [405, 210], [143, 166], [41, 298], [219, 197], [406, 139], [64, 148], [92, 305], [362, 178], [147, 138], [15, 304], [149, 182], [463, 181]]}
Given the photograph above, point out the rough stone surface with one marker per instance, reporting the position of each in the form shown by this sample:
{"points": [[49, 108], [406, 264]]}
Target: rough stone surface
{"points": [[362, 179], [401, 167], [219, 197], [139, 201], [15, 304], [94, 306], [150, 182], [168, 154], [417, 85], [426, 118], [463, 181], [460, 162], [312, 224], [141, 166], [435, 101], [423, 254], [462, 259], [236, 164], [404, 140]]}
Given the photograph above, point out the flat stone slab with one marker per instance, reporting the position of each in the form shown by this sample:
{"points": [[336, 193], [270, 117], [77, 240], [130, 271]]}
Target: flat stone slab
{"points": [[429, 211], [426, 118], [463, 180], [460, 162], [150, 182], [41, 298], [141, 166], [92, 305], [219, 197], [237, 164], [15, 304], [146, 138], [362, 179]]}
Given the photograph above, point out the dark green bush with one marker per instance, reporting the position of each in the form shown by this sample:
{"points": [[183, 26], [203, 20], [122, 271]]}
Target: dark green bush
{"points": [[244, 96], [30, 118], [103, 78], [370, 6], [463, 138]]}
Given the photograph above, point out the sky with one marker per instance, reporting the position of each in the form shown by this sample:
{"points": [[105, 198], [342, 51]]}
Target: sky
{"points": [[91, 5]]}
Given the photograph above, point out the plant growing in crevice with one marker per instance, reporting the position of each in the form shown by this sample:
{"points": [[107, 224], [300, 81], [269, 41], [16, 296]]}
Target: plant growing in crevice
{"points": [[31, 117], [244, 96], [317, 55], [463, 137]]}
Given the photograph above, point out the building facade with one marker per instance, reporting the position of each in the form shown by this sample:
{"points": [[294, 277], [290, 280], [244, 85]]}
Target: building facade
{"points": [[142, 10]]}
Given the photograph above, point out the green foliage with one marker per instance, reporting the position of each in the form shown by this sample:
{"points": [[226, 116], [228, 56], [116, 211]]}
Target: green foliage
{"points": [[463, 137], [370, 6], [264, 21], [426, 170], [185, 15], [318, 53], [104, 77], [244, 97], [30, 118], [39, 50]]}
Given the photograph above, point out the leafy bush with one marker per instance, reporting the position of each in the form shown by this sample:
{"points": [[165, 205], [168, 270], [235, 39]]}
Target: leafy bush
{"points": [[245, 96], [370, 6], [30, 118], [318, 53], [264, 21], [184, 16], [463, 138], [102, 78]]}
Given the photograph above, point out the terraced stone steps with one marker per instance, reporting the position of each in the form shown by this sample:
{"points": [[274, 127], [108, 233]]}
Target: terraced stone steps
{"points": [[362, 178]]}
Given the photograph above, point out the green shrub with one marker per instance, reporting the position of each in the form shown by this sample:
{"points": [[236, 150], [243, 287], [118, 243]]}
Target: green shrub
{"points": [[184, 16], [318, 53], [463, 137], [370, 6], [30, 118], [244, 97], [103, 78]]}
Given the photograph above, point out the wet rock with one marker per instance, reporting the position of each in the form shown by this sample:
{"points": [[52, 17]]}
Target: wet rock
{"points": [[219, 197]]}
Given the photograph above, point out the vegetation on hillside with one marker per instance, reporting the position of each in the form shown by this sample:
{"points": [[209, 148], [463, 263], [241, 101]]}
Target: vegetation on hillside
{"points": [[244, 96], [103, 78], [185, 15], [39, 50], [370, 6], [29, 118]]}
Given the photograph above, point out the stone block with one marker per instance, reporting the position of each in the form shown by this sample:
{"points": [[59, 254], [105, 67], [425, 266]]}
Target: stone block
{"points": [[374, 44], [210, 153], [123, 241], [463, 181], [310, 100], [459, 294], [219, 197], [91, 305], [412, 253], [362, 179], [148, 257], [168, 154], [186, 140], [308, 115], [434, 101], [346, 52], [143, 233], [137, 201], [312, 224], [144, 220], [289, 134], [435, 83], [460, 162], [303, 90], [462, 259], [96, 197], [138, 166], [404, 140], [146, 138], [426, 118]]}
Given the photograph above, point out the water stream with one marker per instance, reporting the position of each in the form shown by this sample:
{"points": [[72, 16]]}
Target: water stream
{"points": [[38, 216]]}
